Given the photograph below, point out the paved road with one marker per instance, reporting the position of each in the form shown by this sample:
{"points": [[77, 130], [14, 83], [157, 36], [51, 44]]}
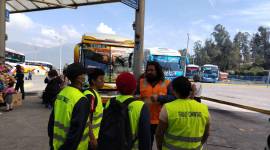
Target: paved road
{"points": [[246, 94], [232, 128], [250, 95]]}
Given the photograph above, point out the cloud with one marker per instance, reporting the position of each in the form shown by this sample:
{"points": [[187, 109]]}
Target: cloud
{"points": [[22, 28], [215, 17], [197, 22], [207, 27], [103, 28], [20, 22], [71, 32], [258, 13], [212, 3], [195, 37]]}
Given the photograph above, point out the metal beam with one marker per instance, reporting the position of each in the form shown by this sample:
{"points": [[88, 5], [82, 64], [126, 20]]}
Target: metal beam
{"points": [[59, 3], [55, 4], [35, 4], [12, 6], [73, 2], [2, 31], [21, 4], [57, 7]]}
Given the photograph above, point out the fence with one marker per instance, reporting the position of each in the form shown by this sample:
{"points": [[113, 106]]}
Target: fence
{"points": [[249, 79]]}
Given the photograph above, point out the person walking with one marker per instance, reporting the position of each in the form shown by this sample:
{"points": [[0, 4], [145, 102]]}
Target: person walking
{"points": [[52, 89], [68, 127], [96, 82], [196, 88], [184, 123], [30, 75], [153, 85], [114, 131], [20, 80]]}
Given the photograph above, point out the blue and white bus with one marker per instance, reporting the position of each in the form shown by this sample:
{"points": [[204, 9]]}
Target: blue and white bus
{"points": [[169, 59], [209, 73]]}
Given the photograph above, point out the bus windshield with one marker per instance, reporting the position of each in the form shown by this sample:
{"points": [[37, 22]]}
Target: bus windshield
{"points": [[14, 57], [168, 63]]}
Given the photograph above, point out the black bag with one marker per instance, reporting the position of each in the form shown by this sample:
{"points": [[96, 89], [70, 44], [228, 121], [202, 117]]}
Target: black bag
{"points": [[115, 132]]}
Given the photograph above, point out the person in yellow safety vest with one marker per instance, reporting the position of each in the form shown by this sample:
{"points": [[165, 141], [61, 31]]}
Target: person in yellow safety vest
{"points": [[96, 81], [184, 123], [139, 115], [151, 86], [68, 127]]}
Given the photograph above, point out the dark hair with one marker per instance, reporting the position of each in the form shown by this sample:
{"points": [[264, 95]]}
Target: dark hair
{"points": [[74, 70], [160, 73], [182, 86], [196, 78], [93, 74], [52, 73], [11, 84], [18, 69]]}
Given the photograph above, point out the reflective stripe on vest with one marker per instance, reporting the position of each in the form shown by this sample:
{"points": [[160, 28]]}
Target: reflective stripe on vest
{"points": [[186, 125], [171, 147], [63, 108], [183, 139], [146, 91], [98, 114], [134, 116]]}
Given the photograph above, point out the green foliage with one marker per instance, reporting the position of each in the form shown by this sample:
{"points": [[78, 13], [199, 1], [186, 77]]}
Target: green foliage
{"points": [[243, 55]]}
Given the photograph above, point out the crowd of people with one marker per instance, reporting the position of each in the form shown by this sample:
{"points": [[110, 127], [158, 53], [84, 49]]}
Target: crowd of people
{"points": [[145, 109]]}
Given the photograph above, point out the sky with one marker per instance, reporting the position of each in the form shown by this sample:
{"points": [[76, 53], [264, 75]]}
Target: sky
{"points": [[167, 23]]}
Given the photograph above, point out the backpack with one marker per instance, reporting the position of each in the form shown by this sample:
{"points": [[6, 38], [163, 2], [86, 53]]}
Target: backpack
{"points": [[115, 132]]}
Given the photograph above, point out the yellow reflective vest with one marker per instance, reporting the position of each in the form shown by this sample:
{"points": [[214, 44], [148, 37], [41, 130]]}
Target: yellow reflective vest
{"points": [[97, 115], [187, 120], [134, 109], [63, 108]]}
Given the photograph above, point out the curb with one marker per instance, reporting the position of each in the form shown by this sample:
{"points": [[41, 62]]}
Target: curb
{"points": [[263, 111]]}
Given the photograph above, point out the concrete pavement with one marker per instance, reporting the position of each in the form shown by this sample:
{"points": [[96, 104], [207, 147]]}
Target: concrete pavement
{"points": [[231, 128]]}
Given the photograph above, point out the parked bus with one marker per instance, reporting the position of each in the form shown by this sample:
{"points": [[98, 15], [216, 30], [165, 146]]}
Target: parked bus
{"points": [[169, 59], [13, 57], [107, 52], [37, 67], [192, 70], [209, 73]]}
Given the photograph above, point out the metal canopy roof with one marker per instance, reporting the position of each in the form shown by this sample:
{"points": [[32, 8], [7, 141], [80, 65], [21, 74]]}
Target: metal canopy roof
{"points": [[18, 6]]}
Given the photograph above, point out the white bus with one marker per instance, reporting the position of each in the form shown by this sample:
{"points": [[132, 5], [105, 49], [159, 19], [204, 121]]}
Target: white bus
{"points": [[13, 57], [37, 67]]}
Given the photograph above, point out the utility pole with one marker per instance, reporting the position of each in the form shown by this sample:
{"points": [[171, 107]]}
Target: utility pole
{"points": [[185, 57], [2, 30], [139, 38], [268, 78]]}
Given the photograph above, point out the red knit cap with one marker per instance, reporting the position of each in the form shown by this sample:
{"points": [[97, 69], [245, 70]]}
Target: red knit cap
{"points": [[126, 83]]}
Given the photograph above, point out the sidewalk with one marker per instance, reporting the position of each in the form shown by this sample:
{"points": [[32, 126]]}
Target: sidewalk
{"points": [[25, 128]]}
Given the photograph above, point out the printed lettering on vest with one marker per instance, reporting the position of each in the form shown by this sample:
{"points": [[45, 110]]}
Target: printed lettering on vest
{"points": [[190, 114]]}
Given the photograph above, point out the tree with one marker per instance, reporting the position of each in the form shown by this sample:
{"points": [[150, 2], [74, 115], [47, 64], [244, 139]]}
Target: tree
{"points": [[241, 43], [260, 48], [212, 51], [224, 47], [201, 56]]}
